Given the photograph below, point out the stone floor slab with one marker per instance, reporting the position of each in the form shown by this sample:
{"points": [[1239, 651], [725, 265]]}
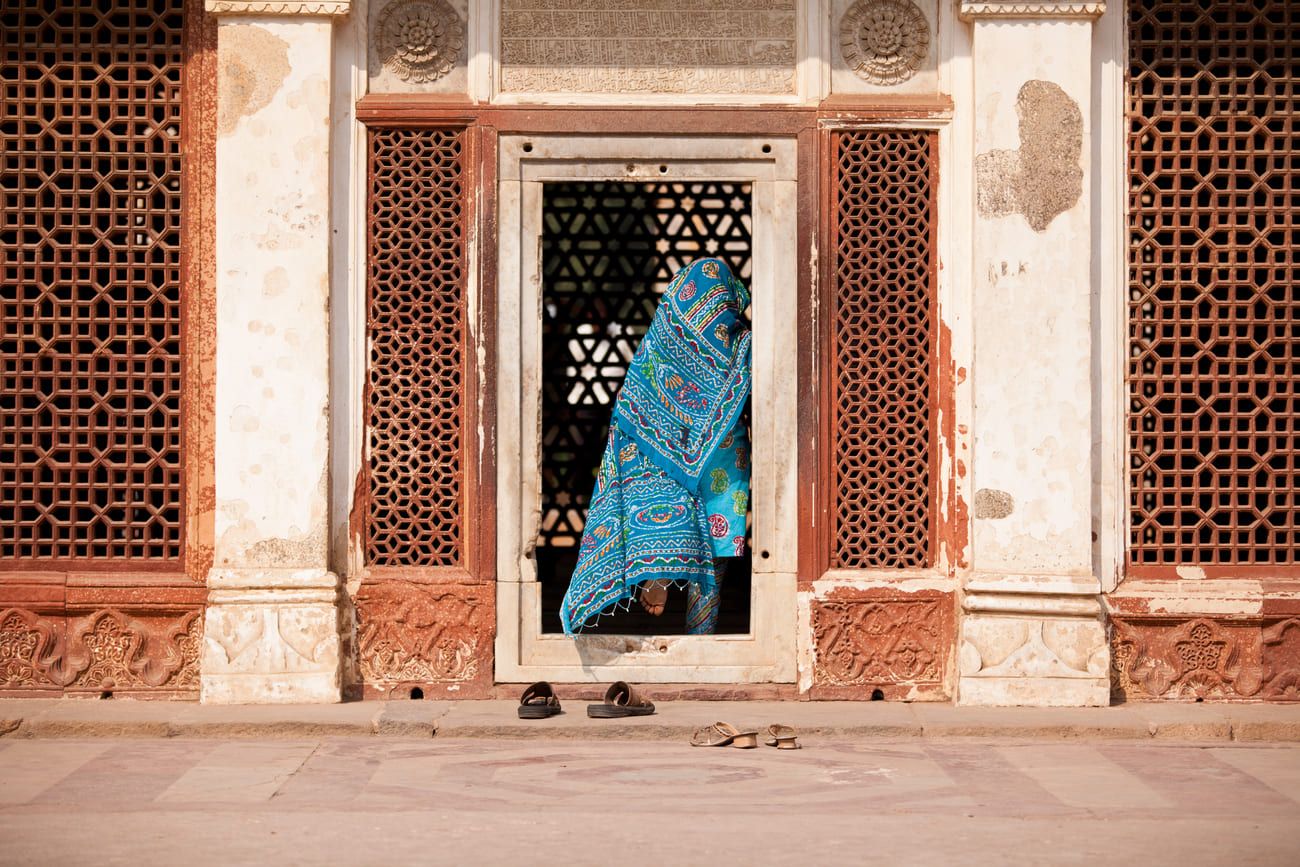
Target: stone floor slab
{"points": [[243, 771], [367, 800]]}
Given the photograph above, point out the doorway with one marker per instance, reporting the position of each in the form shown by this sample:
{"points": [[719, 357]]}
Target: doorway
{"points": [[590, 230], [608, 251]]}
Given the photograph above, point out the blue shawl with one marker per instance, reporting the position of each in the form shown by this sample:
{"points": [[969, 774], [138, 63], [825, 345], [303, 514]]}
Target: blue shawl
{"points": [[681, 398]]}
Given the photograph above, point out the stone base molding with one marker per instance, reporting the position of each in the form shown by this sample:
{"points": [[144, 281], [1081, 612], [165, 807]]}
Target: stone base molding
{"points": [[883, 643], [1230, 640], [270, 636], [1034, 640], [100, 653], [437, 637]]}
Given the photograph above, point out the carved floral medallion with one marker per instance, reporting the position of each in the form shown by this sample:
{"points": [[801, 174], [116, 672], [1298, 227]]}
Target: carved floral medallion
{"points": [[884, 41], [419, 40]]}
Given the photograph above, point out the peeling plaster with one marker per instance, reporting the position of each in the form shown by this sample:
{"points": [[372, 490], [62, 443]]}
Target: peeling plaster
{"points": [[992, 504], [1044, 177], [252, 64]]}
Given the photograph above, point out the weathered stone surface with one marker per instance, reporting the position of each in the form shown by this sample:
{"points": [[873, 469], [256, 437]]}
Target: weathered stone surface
{"points": [[272, 636], [1042, 178], [272, 618]]}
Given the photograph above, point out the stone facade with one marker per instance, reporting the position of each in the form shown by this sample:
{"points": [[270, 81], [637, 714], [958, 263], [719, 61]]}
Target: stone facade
{"points": [[942, 469]]}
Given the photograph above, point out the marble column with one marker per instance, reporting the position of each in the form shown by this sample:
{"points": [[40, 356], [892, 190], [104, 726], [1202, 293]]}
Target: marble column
{"points": [[1032, 629], [272, 621]]}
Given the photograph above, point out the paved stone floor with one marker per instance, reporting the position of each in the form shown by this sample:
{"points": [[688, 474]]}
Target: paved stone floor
{"points": [[361, 801]]}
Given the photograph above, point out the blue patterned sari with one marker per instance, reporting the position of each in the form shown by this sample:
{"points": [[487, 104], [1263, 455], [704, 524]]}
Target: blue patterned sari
{"points": [[673, 486]]}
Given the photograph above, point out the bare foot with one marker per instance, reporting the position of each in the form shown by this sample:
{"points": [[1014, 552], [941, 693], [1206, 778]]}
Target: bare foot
{"points": [[654, 596]]}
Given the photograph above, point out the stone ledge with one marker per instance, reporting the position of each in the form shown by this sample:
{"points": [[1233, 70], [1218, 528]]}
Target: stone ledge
{"points": [[277, 7], [1020, 9], [71, 718]]}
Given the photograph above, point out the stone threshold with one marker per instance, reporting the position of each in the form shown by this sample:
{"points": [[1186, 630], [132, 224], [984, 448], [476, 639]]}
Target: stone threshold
{"points": [[73, 718]]}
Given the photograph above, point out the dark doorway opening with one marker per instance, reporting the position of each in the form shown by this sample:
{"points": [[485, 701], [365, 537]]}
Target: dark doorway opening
{"points": [[608, 251]]}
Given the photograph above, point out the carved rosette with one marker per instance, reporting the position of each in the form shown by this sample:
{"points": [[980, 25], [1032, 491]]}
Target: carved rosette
{"points": [[426, 634], [884, 41], [901, 645], [419, 40]]}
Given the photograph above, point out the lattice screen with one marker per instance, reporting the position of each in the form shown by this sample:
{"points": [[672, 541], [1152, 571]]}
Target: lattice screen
{"points": [[608, 250], [882, 319], [90, 283], [1214, 204], [415, 514]]}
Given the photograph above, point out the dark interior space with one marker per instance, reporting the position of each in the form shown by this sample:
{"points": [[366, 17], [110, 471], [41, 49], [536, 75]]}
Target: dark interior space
{"points": [[608, 251]]}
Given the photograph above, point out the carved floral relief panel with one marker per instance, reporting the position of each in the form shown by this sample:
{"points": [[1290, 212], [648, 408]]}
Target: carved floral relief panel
{"points": [[31, 652], [101, 651], [419, 46], [435, 636], [899, 644], [1206, 658], [649, 46], [884, 46], [108, 650]]}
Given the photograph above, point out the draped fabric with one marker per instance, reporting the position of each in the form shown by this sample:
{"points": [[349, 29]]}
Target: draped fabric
{"points": [[673, 486]]}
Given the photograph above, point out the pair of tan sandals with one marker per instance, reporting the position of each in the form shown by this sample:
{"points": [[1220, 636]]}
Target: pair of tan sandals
{"points": [[723, 734]]}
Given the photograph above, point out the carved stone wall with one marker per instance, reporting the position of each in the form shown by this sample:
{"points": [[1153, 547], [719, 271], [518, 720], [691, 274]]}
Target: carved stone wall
{"points": [[1190, 658], [880, 639], [648, 46], [418, 46]]}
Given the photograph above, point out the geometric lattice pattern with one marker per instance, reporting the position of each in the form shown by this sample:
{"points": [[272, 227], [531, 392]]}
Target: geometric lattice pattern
{"points": [[882, 320], [90, 280], [1214, 294], [608, 252], [416, 314]]}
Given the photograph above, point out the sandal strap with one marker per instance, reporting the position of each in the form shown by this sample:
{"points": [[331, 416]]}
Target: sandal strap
{"points": [[714, 734], [539, 693]]}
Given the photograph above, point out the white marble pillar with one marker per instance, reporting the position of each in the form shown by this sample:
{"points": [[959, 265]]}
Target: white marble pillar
{"points": [[271, 627], [1032, 632]]}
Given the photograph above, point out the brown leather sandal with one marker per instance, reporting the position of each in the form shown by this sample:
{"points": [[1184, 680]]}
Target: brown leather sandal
{"points": [[621, 700], [783, 737], [538, 702], [722, 734]]}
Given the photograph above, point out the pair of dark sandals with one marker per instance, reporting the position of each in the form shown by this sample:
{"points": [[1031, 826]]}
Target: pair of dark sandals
{"points": [[621, 700]]}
